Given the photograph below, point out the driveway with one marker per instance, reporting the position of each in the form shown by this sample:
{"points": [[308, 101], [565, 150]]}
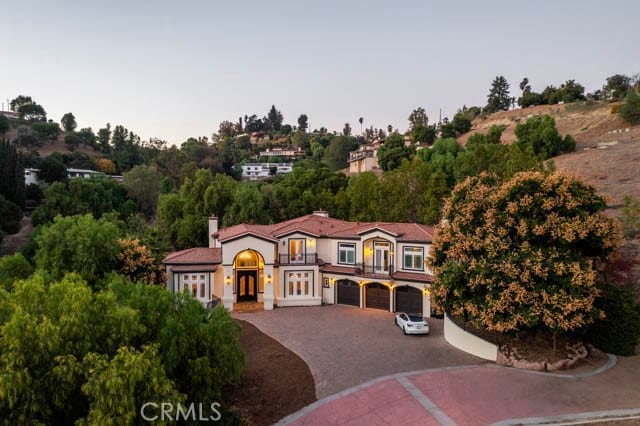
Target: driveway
{"points": [[345, 346]]}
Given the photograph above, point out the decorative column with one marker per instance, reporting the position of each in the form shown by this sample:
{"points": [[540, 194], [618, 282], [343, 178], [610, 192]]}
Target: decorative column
{"points": [[426, 302], [268, 288], [391, 298], [227, 299]]}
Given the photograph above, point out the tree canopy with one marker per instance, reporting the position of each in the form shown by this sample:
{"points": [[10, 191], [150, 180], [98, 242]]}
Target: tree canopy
{"points": [[522, 254]]}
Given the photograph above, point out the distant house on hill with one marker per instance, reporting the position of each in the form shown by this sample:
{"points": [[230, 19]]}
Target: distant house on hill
{"points": [[364, 159], [10, 114], [31, 175], [283, 152], [256, 171]]}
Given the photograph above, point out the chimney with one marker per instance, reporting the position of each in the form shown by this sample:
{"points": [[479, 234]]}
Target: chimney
{"points": [[213, 229], [321, 213]]}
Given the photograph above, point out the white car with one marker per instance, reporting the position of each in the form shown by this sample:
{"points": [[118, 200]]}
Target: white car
{"points": [[412, 323]]}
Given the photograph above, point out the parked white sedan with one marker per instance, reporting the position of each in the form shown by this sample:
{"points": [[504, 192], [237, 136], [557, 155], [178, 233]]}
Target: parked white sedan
{"points": [[412, 323]]}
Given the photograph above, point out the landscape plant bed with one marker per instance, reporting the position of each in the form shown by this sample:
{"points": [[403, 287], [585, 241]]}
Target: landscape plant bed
{"points": [[275, 383], [535, 352]]}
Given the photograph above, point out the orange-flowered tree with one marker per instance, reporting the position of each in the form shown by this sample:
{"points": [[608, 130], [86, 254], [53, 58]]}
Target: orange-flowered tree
{"points": [[137, 263], [522, 254]]}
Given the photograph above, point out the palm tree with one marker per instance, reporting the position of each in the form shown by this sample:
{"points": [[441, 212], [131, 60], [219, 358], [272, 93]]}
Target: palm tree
{"points": [[360, 120], [390, 128]]}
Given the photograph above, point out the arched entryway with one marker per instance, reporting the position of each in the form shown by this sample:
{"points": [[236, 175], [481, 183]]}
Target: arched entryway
{"points": [[248, 267], [377, 296]]}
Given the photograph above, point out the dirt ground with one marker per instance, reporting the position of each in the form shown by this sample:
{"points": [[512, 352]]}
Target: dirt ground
{"points": [[13, 243], [275, 383]]}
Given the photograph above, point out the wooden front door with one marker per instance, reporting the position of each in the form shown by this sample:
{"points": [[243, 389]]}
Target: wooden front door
{"points": [[247, 282]]}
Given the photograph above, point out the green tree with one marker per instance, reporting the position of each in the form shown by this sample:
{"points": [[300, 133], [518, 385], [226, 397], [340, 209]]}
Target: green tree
{"points": [[98, 196], [11, 173], [541, 135], [4, 125], [104, 138], [86, 357], [79, 244], [393, 151], [143, 185], [247, 206], [10, 215], [616, 87], [523, 254], [337, 153], [274, 119], [630, 109], [46, 131], [303, 122], [72, 141], [32, 112], [346, 130], [363, 192], [68, 122], [13, 268], [52, 169], [87, 137], [630, 218], [418, 118], [423, 134], [498, 98]]}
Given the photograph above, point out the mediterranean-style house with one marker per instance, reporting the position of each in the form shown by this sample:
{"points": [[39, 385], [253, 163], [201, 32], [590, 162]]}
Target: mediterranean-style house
{"points": [[310, 260]]}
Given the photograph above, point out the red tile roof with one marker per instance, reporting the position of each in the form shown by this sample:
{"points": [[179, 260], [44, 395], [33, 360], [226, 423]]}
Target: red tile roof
{"points": [[345, 270], [412, 276], [195, 256], [193, 268], [320, 226]]}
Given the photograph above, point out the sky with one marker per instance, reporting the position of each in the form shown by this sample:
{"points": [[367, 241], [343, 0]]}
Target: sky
{"points": [[174, 70]]}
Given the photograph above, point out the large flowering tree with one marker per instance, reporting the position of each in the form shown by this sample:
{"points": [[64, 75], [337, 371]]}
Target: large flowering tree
{"points": [[522, 254]]}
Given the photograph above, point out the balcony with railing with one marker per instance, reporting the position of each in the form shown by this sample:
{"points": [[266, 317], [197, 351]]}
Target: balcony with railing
{"points": [[299, 259], [374, 271]]}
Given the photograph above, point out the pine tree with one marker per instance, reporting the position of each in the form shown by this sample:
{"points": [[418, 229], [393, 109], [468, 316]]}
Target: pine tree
{"points": [[498, 98]]}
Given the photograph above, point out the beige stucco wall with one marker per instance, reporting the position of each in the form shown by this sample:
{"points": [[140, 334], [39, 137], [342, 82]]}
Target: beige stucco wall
{"points": [[468, 342]]}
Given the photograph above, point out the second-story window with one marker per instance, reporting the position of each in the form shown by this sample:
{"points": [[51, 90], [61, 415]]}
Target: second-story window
{"points": [[413, 258], [296, 250], [346, 253]]}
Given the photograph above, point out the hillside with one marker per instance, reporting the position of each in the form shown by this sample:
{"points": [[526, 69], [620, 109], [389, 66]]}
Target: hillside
{"points": [[49, 147], [608, 149]]}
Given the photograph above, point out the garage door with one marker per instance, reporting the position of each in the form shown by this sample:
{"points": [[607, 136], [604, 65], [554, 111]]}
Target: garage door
{"points": [[408, 299], [377, 296], [348, 293]]}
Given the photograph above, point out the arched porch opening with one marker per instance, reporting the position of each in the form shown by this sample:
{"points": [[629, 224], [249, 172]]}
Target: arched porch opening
{"points": [[248, 269]]}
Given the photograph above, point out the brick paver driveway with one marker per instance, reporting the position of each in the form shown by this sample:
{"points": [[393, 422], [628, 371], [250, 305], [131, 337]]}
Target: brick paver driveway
{"points": [[346, 346]]}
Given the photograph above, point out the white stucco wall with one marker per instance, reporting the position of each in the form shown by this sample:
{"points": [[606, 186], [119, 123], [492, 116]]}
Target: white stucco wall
{"points": [[468, 342]]}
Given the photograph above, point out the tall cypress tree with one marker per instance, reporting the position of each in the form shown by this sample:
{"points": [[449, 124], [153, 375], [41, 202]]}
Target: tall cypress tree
{"points": [[11, 173]]}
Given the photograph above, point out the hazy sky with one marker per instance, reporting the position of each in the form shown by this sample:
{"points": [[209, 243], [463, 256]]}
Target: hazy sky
{"points": [[176, 69]]}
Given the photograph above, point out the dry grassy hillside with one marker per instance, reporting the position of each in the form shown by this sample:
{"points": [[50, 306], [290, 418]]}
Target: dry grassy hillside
{"points": [[608, 149], [58, 146]]}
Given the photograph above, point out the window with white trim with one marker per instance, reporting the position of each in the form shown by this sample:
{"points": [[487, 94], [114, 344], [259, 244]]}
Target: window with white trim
{"points": [[299, 283], [346, 253], [195, 284], [413, 258]]}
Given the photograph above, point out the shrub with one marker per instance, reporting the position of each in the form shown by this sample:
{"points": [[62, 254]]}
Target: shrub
{"points": [[15, 267], [630, 109], [619, 331], [10, 215]]}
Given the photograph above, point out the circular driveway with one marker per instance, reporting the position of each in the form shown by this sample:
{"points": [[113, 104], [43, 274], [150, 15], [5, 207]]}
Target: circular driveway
{"points": [[345, 346]]}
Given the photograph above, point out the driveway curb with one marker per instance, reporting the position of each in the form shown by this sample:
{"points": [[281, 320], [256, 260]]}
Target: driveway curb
{"points": [[578, 418]]}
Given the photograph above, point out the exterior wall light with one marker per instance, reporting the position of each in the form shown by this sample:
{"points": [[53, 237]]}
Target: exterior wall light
{"points": [[227, 280], [269, 279]]}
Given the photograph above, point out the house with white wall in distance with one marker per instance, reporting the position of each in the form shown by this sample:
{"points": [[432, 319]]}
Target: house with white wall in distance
{"points": [[364, 159], [307, 261], [31, 175], [256, 171], [290, 153]]}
